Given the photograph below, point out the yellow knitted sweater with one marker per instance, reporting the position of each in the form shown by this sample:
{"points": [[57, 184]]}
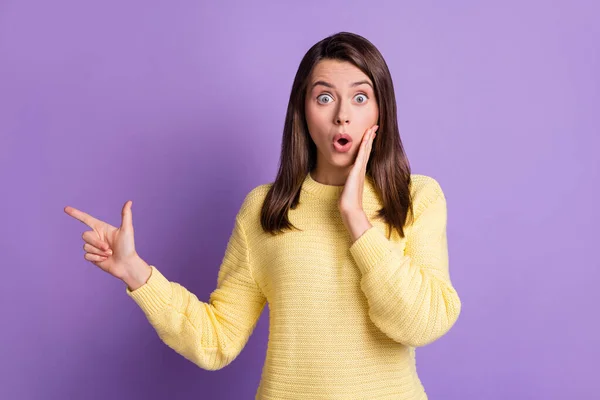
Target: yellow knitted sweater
{"points": [[344, 317]]}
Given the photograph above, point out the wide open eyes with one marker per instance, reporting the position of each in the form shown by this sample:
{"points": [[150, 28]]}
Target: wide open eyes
{"points": [[363, 98]]}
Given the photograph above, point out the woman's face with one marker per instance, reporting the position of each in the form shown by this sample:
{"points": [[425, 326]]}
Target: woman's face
{"points": [[339, 99]]}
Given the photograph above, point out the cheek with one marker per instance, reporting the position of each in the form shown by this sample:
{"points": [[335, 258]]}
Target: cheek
{"points": [[316, 121], [371, 115]]}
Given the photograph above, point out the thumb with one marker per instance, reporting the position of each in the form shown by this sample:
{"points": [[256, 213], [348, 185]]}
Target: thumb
{"points": [[127, 220]]}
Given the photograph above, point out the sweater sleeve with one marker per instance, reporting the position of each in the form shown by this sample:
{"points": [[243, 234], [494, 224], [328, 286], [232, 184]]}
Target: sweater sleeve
{"points": [[211, 335], [410, 296]]}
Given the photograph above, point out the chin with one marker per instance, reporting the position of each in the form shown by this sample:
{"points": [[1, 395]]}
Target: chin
{"points": [[342, 159], [336, 159]]}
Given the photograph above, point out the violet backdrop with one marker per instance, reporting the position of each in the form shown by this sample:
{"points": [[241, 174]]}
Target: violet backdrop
{"points": [[179, 106]]}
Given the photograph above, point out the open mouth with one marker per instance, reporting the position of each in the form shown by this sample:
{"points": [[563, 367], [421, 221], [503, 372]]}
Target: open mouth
{"points": [[342, 143]]}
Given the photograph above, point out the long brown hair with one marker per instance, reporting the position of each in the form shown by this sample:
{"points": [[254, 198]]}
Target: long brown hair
{"points": [[388, 165]]}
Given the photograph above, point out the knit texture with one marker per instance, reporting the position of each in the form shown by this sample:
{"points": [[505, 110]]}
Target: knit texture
{"points": [[344, 317]]}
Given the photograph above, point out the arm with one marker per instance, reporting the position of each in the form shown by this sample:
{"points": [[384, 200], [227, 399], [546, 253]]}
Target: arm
{"points": [[410, 295], [211, 335]]}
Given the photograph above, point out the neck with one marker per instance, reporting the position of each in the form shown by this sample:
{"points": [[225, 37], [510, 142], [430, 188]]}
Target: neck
{"points": [[333, 192], [337, 177]]}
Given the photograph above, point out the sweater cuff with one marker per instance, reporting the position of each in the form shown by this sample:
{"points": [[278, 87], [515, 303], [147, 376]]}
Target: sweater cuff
{"points": [[370, 249], [154, 295]]}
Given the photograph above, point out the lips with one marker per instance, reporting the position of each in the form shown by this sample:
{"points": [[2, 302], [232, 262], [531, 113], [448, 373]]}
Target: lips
{"points": [[342, 138], [342, 143]]}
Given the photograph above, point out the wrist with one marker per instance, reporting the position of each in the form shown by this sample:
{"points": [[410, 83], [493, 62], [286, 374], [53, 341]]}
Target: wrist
{"points": [[138, 273], [356, 223]]}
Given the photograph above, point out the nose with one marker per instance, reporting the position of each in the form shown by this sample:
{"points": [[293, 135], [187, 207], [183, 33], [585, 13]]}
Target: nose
{"points": [[342, 115]]}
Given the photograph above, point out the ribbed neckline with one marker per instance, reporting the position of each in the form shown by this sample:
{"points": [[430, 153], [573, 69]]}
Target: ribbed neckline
{"points": [[328, 192]]}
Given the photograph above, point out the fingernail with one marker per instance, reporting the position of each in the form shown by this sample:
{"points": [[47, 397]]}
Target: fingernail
{"points": [[109, 251], [376, 127]]}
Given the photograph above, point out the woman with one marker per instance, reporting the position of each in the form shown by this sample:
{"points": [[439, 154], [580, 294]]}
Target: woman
{"points": [[347, 246]]}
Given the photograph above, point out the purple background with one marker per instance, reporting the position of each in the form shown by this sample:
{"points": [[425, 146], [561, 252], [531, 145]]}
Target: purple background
{"points": [[179, 106]]}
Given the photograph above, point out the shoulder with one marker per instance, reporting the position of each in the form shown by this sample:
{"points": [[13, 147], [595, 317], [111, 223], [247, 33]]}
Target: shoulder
{"points": [[424, 191], [253, 201]]}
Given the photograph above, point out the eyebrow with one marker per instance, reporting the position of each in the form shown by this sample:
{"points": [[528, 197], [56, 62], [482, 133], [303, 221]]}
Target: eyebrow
{"points": [[329, 85]]}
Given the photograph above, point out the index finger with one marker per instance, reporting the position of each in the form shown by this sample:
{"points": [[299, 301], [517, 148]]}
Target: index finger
{"points": [[81, 216]]}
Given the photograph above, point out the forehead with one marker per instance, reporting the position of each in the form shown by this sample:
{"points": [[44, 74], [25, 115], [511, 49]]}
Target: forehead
{"points": [[339, 73]]}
